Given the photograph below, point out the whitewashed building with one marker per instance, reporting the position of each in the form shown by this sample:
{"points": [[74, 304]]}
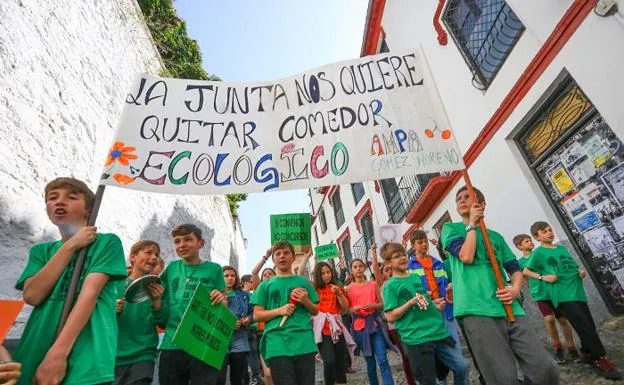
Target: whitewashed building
{"points": [[533, 93]]}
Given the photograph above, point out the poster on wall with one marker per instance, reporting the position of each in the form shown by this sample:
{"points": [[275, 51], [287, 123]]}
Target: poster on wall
{"points": [[599, 240], [583, 170], [561, 179], [618, 226], [597, 151], [572, 154], [614, 180], [590, 192], [575, 204], [587, 221]]}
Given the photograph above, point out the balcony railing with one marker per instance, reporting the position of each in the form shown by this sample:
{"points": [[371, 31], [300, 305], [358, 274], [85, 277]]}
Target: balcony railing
{"points": [[410, 188], [360, 249]]}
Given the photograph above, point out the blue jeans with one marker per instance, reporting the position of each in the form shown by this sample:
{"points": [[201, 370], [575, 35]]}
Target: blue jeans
{"points": [[379, 357], [422, 362], [452, 329]]}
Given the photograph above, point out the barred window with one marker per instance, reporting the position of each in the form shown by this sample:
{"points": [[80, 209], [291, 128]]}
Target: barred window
{"points": [[322, 220], [485, 32]]}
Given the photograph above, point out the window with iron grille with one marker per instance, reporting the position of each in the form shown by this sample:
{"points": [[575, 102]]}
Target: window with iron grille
{"points": [[357, 189], [316, 239], [338, 211], [345, 246], [394, 202], [322, 220], [485, 32], [366, 224]]}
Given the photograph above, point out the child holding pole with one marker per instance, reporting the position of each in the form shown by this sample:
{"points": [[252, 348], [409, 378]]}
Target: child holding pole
{"points": [[478, 303], [84, 351]]}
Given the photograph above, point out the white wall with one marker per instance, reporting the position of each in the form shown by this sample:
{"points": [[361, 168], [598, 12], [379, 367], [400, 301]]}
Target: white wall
{"points": [[65, 67], [593, 56]]}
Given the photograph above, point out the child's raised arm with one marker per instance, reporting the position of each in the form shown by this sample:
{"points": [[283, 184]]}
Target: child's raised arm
{"points": [[54, 366], [255, 272], [376, 270], [38, 287]]}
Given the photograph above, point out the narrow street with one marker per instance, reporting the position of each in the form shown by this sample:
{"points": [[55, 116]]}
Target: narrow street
{"points": [[612, 333]]}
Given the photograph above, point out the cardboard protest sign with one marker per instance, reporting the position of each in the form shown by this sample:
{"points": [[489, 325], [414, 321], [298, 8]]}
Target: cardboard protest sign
{"points": [[9, 309], [293, 228], [388, 233], [326, 251], [205, 330], [370, 118]]}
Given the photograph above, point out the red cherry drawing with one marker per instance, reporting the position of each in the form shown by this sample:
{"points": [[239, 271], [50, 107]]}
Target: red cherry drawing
{"points": [[429, 133], [446, 134]]}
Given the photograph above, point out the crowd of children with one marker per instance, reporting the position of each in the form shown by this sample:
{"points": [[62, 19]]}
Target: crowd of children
{"points": [[415, 305]]}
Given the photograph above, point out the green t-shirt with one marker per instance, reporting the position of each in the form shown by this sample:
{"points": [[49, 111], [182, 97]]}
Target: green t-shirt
{"points": [[137, 339], [536, 287], [474, 285], [180, 280], [416, 326], [296, 336], [558, 261], [92, 359]]}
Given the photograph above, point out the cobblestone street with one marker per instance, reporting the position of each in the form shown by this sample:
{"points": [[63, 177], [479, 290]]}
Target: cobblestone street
{"points": [[612, 334]]}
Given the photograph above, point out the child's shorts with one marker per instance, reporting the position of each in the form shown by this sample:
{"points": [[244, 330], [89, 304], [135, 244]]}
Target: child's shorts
{"points": [[547, 309]]}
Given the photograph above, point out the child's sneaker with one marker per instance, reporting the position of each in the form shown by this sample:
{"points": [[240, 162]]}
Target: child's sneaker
{"points": [[603, 367], [560, 356], [574, 356]]}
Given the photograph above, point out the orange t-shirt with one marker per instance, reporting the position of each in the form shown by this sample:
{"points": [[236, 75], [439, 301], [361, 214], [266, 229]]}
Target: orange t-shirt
{"points": [[427, 264], [328, 304], [361, 295]]}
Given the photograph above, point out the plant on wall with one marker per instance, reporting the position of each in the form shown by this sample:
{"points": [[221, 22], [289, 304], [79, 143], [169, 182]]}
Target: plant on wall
{"points": [[180, 54]]}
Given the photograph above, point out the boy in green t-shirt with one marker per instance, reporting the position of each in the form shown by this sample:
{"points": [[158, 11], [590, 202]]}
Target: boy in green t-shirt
{"points": [[563, 285], [478, 303], [179, 280], [286, 302], [84, 351], [138, 339], [419, 322], [552, 316]]}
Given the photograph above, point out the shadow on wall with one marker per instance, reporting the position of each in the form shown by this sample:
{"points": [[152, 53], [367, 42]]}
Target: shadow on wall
{"points": [[16, 239], [233, 257], [161, 232]]}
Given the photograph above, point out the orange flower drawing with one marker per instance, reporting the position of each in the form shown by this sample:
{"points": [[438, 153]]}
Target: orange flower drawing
{"points": [[123, 179], [121, 154]]}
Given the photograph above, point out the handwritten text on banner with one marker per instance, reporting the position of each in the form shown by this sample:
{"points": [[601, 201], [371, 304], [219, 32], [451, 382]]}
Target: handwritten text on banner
{"points": [[372, 118]]}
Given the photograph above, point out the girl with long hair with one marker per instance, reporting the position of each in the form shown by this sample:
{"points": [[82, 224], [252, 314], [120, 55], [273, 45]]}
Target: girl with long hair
{"points": [[238, 303], [371, 337], [331, 335]]}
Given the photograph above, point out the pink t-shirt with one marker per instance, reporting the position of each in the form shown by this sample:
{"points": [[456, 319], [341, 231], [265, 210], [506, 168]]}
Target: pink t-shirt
{"points": [[361, 295]]}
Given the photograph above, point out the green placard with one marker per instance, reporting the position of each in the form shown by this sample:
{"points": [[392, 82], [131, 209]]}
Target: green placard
{"points": [[205, 330], [294, 228], [326, 251]]}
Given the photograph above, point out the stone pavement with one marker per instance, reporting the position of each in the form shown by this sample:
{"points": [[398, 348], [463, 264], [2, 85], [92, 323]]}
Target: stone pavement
{"points": [[612, 334]]}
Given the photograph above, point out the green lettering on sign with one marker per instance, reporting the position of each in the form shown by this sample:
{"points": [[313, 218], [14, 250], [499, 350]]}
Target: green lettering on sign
{"points": [[205, 330], [326, 251], [294, 228]]}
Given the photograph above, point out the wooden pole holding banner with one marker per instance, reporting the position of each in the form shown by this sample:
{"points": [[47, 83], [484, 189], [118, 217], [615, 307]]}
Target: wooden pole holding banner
{"points": [[79, 266], [500, 283]]}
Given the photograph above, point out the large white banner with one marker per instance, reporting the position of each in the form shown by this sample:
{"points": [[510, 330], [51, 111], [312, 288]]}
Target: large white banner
{"points": [[372, 118]]}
